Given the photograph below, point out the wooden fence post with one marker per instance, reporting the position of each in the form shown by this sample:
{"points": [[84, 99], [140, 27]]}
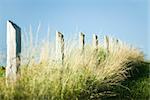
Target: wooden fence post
{"points": [[95, 42], [59, 46], [81, 41], [106, 43], [13, 50]]}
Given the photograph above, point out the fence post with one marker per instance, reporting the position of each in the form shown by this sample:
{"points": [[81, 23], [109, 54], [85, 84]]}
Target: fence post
{"points": [[59, 46], [106, 43], [95, 42], [81, 41], [13, 50]]}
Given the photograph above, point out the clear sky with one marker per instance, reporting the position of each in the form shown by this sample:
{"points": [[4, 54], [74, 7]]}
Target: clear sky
{"points": [[124, 19]]}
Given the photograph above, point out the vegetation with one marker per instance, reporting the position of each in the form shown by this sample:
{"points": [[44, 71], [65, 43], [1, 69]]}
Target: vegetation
{"points": [[2, 71], [120, 74]]}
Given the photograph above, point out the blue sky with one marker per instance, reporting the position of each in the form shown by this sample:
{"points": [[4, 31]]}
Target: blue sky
{"points": [[124, 19]]}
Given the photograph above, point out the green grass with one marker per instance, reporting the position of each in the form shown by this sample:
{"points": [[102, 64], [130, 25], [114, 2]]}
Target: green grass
{"points": [[120, 74], [139, 83], [2, 71]]}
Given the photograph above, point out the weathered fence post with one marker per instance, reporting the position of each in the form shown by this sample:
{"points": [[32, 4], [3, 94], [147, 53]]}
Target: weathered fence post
{"points": [[95, 42], [106, 43], [13, 50], [81, 41], [95, 49], [59, 46]]}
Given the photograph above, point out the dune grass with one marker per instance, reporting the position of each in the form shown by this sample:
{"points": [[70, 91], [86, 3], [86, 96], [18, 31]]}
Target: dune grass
{"points": [[89, 75]]}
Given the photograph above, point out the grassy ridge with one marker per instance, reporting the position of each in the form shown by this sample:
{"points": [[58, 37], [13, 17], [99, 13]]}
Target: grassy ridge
{"points": [[120, 74]]}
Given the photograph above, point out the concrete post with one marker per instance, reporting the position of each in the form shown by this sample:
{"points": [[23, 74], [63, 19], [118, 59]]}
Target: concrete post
{"points": [[13, 50], [106, 43], [59, 46], [81, 41], [95, 42]]}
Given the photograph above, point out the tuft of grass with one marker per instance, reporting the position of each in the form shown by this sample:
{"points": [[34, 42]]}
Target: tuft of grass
{"points": [[89, 75]]}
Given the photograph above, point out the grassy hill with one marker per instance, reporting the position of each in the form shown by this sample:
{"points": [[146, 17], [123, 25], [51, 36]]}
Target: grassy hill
{"points": [[121, 73]]}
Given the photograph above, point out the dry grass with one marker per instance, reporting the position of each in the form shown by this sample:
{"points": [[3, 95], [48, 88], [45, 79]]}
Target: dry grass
{"points": [[89, 75]]}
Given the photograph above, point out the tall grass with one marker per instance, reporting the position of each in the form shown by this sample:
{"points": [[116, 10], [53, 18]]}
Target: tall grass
{"points": [[83, 76]]}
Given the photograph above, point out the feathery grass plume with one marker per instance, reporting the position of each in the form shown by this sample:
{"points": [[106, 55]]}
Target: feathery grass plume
{"points": [[82, 76]]}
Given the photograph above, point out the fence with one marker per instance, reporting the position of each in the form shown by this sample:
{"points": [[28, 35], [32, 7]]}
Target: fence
{"points": [[14, 48]]}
